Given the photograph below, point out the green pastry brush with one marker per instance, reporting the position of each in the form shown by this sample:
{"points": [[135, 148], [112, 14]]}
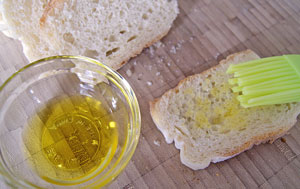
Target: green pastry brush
{"points": [[273, 80]]}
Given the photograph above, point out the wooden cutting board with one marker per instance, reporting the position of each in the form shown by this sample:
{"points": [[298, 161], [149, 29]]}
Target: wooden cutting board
{"points": [[205, 32]]}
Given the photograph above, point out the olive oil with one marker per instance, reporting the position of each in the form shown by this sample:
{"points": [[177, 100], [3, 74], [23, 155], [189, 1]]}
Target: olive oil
{"points": [[71, 138]]}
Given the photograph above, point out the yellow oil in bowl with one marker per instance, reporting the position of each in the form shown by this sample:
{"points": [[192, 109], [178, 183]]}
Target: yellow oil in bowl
{"points": [[77, 137]]}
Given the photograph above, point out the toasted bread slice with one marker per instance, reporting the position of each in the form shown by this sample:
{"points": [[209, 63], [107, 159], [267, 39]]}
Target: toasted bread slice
{"points": [[206, 122], [110, 31]]}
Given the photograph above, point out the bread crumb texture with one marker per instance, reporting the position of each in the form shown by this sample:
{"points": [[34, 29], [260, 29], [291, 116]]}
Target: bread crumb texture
{"points": [[206, 122], [111, 31]]}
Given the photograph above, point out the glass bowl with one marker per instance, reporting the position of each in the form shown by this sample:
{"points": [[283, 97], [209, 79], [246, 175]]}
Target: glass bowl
{"points": [[66, 121]]}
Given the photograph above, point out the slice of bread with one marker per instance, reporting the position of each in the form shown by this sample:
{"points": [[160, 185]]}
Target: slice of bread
{"points": [[111, 31], [206, 122]]}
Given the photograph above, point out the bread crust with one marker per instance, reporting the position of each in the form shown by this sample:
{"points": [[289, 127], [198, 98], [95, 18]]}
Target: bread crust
{"points": [[255, 140], [50, 6], [138, 51]]}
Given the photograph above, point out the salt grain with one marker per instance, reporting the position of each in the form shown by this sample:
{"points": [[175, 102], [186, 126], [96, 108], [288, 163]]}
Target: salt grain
{"points": [[134, 63], [192, 38], [158, 44], [151, 51], [169, 64], [36, 99], [149, 83], [160, 60], [128, 186], [157, 73], [217, 55], [129, 73], [195, 10], [140, 77], [156, 142], [173, 50], [178, 46]]}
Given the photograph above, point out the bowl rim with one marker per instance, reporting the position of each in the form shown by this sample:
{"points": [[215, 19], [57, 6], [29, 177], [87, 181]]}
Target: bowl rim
{"points": [[135, 112]]}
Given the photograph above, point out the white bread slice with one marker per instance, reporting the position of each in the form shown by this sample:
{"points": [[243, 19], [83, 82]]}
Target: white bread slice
{"points": [[206, 122], [111, 31]]}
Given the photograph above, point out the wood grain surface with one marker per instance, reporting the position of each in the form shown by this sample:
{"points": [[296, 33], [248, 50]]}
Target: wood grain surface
{"points": [[205, 32]]}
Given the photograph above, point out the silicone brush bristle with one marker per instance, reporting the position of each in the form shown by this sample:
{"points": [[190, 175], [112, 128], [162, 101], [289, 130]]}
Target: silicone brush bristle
{"points": [[265, 81]]}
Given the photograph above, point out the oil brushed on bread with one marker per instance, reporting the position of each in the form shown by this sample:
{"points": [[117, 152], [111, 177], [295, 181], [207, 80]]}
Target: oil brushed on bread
{"points": [[111, 31], [206, 122]]}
